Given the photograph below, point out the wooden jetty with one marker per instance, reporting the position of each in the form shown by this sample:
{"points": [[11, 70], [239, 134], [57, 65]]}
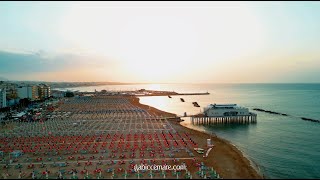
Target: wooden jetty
{"points": [[206, 120]]}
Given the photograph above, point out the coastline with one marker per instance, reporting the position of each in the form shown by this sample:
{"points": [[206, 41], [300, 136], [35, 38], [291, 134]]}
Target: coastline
{"points": [[225, 157], [253, 164]]}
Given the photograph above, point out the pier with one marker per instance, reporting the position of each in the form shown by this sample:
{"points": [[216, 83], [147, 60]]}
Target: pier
{"points": [[140, 93], [206, 93], [206, 120]]}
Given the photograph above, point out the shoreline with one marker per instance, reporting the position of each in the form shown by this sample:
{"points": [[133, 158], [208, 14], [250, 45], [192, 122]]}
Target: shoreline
{"points": [[225, 157], [253, 164]]}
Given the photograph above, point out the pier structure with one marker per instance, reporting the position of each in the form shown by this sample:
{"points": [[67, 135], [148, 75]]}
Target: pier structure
{"points": [[207, 120]]}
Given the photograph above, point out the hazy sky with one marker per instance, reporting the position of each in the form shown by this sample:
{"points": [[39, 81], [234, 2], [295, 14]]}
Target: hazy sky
{"points": [[197, 42]]}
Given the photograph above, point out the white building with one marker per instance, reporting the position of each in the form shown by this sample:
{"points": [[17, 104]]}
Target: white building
{"points": [[3, 98], [30, 92], [222, 110]]}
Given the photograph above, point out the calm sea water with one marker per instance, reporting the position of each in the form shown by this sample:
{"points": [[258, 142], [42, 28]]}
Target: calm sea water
{"points": [[283, 147]]}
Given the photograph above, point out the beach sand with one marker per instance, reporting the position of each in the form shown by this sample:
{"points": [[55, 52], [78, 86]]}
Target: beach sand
{"points": [[225, 158]]}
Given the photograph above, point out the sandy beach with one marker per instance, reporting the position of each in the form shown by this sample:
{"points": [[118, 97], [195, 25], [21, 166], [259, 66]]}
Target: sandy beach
{"points": [[228, 161], [63, 152]]}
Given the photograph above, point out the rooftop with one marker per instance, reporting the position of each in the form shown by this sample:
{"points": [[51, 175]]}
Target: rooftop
{"points": [[225, 106]]}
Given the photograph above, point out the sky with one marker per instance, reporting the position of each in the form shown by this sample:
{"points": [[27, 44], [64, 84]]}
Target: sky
{"points": [[161, 42]]}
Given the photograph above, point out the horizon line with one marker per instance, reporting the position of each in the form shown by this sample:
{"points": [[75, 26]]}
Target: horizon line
{"points": [[161, 82]]}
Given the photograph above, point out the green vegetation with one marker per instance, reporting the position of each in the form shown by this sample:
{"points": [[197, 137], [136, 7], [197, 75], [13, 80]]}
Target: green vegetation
{"points": [[69, 94]]}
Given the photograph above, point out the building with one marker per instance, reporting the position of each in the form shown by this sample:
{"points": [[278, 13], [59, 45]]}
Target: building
{"points": [[44, 91], [10, 90], [30, 92], [58, 94], [222, 110], [224, 114], [3, 98]]}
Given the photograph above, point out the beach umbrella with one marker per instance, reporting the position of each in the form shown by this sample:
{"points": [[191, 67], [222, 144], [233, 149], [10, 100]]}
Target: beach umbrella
{"points": [[188, 175], [113, 174], [74, 176], [139, 175], [87, 175], [200, 172], [125, 175], [213, 173], [31, 166], [99, 176], [83, 171], [151, 174], [174, 173], [178, 174], [33, 175], [18, 166], [163, 173], [47, 173]]}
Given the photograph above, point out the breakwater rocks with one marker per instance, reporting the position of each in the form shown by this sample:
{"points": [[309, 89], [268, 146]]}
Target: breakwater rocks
{"points": [[271, 112], [283, 114], [308, 119]]}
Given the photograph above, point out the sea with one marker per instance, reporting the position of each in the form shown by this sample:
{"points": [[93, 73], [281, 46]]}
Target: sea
{"points": [[279, 146]]}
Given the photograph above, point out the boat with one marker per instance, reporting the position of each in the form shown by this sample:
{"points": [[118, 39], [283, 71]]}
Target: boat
{"points": [[182, 99], [195, 104], [199, 150], [169, 96]]}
